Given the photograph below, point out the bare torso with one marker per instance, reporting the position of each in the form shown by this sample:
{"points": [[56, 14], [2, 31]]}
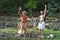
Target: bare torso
{"points": [[41, 18]]}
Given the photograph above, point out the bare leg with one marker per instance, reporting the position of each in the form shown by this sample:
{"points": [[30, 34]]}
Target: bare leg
{"points": [[20, 28], [25, 28], [41, 31]]}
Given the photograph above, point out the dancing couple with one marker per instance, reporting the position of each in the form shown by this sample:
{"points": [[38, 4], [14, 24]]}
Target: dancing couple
{"points": [[41, 24]]}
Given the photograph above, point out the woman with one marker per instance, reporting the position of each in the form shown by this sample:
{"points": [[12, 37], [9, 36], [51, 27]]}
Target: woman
{"points": [[23, 28], [41, 24]]}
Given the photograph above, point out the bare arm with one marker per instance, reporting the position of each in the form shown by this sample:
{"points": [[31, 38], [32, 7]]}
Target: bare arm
{"points": [[45, 10], [19, 11]]}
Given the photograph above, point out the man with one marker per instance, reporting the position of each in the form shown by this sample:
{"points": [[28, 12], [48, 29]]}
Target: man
{"points": [[41, 25]]}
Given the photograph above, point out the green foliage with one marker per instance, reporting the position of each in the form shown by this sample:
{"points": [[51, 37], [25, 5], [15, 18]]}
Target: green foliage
{"points": [[12, 5], [7, 3], [53, 7], [32, 3]]}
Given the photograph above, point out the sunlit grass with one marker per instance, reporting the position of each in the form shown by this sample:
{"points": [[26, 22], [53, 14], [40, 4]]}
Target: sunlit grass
{"points": [[12, 30]]}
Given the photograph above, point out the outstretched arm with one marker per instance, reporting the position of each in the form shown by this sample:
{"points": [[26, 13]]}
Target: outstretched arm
{"points": [[45, 10], [19, 11]]}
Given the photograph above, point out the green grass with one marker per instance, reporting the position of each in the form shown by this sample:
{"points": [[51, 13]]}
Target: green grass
{"points": [[14, 31]]}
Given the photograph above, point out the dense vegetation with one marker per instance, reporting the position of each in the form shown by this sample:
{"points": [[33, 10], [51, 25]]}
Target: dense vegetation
{"points": [[11, 6]]}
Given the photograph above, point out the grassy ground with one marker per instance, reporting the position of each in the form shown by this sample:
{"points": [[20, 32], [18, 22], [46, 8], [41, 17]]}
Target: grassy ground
{"points": [[14, 31]]}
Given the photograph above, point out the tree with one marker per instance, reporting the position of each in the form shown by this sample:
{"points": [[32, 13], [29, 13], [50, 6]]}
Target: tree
{"points": [[11, 6]]}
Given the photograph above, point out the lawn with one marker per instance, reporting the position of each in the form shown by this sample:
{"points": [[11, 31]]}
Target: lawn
{"points": [[9, 34]]}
